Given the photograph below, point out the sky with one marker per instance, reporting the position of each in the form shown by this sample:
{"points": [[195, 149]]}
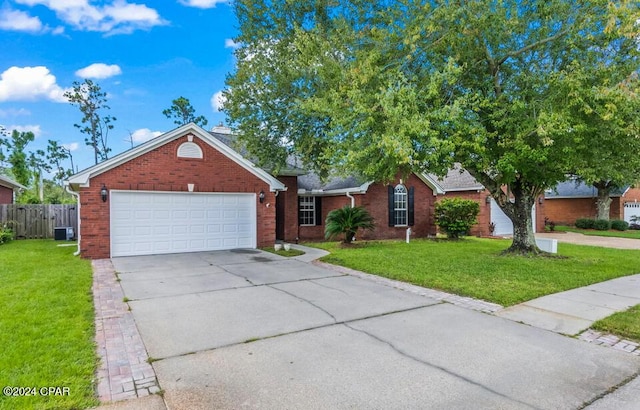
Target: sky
{"points": [[142, 53]]}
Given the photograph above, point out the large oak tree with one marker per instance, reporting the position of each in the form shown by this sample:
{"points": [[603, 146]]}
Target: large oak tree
{"points": [[399, 86]]}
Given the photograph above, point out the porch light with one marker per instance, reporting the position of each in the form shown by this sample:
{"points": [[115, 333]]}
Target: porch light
{"points": [[104, 193], [261, 196], [488, 199]]}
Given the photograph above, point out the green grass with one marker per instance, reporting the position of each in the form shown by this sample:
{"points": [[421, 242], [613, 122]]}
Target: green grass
{"points": [[631, 233], [46, 325], [474, 267], [623, 324]]}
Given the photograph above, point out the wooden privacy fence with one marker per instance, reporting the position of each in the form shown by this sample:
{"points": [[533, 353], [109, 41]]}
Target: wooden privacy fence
{"points": [[38, 221]]}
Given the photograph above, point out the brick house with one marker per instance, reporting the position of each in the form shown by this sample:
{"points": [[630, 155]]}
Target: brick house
{"points": [[572, 200], [8, 187], [188, 190]]}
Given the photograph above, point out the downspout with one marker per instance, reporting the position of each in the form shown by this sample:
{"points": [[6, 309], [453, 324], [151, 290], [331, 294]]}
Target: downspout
{"points": [[77, 195], [353, 200]]}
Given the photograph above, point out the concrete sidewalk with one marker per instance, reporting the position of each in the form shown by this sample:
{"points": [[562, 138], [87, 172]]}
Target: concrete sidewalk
{"points": [[573, 311]]}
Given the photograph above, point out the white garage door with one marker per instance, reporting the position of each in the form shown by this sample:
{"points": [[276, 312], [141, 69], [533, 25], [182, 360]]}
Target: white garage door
{"points": [[631, 209], [503, 223], [147, 223]]}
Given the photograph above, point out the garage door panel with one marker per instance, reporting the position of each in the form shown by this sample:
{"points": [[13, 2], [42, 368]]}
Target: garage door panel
{"points": [[196, 229], [149, 223], [179, 214]]}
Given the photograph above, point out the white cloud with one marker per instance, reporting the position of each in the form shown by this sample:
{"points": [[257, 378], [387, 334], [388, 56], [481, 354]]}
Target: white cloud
{"points": [[99, 70], [217, 101], [29, 84], [73, 146], [144, 134], [12, 112], [37, 131], [203, 4], [118, 17], [229, 43], [16, 20]]}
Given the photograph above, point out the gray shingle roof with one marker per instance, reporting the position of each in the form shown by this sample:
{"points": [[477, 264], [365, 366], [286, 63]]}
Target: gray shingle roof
{"points": [[577, 189], [311, 181], [458, 179]]}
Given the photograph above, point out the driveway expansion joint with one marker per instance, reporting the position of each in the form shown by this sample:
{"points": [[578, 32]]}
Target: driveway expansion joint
{"points": [[306, 301], [461, 301], [124, 372], [609, 391], [435, 366]]}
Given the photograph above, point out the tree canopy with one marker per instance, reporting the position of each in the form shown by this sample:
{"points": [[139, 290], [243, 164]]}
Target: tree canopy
{"points": [[183, 113], [92, 101], [407, 86]]}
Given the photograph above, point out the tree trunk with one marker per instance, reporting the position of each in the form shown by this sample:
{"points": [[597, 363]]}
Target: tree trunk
{"points": [[603, 203], [519, 212]]}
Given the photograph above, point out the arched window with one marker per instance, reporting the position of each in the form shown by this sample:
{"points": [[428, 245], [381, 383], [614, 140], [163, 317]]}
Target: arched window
{"points": [[400, 208], [189, 150]]}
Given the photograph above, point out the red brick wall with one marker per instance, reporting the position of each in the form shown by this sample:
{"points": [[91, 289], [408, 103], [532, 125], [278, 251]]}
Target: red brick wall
{"points": [[6, 195], [376, 202], [290, 199], [162, 170], [565, 211]]}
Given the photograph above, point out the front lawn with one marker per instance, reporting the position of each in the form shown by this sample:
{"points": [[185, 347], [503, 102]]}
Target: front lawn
{"points": [[474, 267], [46, 326], [631, 233], [623, 324]]}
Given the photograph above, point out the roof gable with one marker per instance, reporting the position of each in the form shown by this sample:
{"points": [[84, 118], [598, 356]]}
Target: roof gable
{"points": [[83, 178], [10, 183]]}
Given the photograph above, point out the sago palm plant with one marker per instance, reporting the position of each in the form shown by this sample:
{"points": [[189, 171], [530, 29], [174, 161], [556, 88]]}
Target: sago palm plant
{"points": [[347, 221]]}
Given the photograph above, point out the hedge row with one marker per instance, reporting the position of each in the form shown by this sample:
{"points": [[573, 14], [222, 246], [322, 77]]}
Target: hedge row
{"points": [[602, 224]]}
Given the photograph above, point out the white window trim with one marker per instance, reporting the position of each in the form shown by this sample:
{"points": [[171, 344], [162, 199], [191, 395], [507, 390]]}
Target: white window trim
{"points": [[311, 208], [404, 193]]}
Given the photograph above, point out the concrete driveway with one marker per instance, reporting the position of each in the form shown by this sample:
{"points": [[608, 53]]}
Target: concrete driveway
{"points": [[248, 329]]}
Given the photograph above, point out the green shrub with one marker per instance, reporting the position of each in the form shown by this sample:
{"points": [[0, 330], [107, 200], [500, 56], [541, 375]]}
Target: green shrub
{"points": [[585, 223], [455, 216], [619, 225], [347, 221], [602, 225], [6, 234]]}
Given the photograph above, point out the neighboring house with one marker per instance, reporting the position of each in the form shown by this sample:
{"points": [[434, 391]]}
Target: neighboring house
{"points": [[573, 199], [8, 187], [188, 190], [458, 183]]}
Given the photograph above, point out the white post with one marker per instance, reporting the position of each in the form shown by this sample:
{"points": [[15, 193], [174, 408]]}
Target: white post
{"points": [[408, 234]]}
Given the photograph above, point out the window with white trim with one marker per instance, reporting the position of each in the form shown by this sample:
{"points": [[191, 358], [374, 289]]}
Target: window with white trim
{"points": [[400, 208], [307, 210]]}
